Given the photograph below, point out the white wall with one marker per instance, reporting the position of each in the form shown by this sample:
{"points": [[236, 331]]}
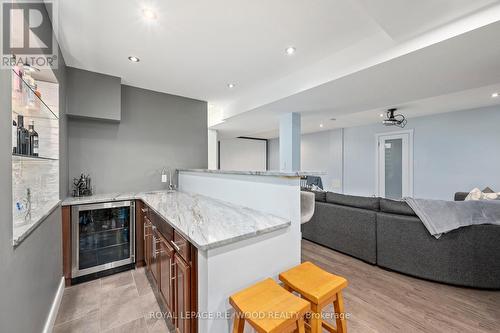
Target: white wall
{"points": [[454, 151], [321, 151], [243, 154]]}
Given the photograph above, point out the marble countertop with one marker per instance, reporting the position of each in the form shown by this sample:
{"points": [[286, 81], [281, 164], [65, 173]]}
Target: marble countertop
{"points": [[207, 223], [22, 229], [258, 173]]}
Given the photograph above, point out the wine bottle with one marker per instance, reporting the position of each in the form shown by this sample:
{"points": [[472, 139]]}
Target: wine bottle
{"points": [[33, 139], [14, 137], [22, 137]]}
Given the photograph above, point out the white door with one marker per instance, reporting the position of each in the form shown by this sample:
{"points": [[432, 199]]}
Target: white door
{"points": [[395, 165]]}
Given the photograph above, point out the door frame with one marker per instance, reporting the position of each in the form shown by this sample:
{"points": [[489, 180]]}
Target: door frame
{"points": [[408, 132]]}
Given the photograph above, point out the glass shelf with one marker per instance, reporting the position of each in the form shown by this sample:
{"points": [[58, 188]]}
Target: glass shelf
{"points": [[26, 102], [35, 179], [34, 157]]}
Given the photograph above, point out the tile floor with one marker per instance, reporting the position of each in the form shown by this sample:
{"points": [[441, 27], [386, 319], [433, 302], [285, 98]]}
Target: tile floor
{"points": [[118, 303]]}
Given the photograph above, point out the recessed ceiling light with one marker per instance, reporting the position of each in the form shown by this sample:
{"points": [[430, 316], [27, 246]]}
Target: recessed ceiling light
{"points": [[290, 50], [381, 115], [134, 59], [495, 95], [149, 14], [231, 85], [321, 125]]}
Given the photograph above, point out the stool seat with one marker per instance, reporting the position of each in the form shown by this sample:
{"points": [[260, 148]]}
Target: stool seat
{"points": [[320, 288], [267, 307], [313, 283]]}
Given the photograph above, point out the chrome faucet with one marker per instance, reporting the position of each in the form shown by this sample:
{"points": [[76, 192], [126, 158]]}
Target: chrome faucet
{"points": [[171, 186]]}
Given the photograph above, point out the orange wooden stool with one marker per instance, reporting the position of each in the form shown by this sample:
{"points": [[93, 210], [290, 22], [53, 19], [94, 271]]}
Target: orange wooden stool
{"points": [[268, 308], [321, 289]]}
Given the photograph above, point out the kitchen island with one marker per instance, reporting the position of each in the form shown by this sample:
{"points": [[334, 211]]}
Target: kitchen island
{"points": [[218, 234]]}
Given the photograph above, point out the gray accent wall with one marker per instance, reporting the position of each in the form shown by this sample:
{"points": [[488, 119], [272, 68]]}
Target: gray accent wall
{"points": [[156, 130], [453, 152], [93, 95], [30, 273]]}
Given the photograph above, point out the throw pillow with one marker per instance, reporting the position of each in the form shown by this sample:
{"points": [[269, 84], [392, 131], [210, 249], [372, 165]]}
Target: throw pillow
{"points": [[488, 190], [477, 194]]}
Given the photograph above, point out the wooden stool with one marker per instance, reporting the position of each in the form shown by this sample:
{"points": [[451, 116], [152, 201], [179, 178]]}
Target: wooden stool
{"points": [[267, 307], [321, 289]]}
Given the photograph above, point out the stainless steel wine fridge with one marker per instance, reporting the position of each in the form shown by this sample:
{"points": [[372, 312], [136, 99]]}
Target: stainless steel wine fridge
{"points": [[103, 236]]}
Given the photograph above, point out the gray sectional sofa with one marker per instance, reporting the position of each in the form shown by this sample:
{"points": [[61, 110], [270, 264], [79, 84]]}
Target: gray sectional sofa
{"points": [[387, 233]]}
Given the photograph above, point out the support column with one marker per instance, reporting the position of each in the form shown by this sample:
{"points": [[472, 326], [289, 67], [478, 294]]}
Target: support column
{"points": [[213, 147], [290, 142]]}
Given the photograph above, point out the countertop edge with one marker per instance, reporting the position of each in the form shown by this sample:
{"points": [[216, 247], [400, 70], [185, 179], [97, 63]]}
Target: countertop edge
{"points": [[273, 173], [233, 240], [17, 240]]}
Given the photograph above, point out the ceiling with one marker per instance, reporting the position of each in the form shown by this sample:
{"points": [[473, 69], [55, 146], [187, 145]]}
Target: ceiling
{"points": [[351, 55], [457, 74]]}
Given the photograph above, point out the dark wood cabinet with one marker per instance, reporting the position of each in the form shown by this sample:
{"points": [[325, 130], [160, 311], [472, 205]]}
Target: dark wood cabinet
{"points": [[171, 260], [66, 244], [182, 290], [167, 273], [139, 233]]}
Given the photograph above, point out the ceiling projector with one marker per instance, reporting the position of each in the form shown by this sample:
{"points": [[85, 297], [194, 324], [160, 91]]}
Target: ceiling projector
{"points": [[394, 119]]}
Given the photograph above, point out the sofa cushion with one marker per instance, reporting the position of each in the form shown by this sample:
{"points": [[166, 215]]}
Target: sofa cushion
{"points": [[345, 229], [396, 207], [353, 201]]}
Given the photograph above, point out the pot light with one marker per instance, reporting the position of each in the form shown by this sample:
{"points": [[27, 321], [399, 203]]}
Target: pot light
{"points": [[321, 125], [134, 59], [231, 85], [381, 115], [495, 95], [149, 14], [290, 50]]}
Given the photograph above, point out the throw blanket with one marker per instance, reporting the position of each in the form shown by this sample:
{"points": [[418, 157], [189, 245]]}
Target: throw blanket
{"points": [[440, 216]]}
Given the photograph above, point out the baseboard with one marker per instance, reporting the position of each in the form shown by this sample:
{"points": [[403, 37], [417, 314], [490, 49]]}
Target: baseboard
{"points": [[54, 309]]}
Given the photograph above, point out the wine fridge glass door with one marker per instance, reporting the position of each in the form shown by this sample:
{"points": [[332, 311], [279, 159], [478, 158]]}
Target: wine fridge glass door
{"points": [[103, 236]]}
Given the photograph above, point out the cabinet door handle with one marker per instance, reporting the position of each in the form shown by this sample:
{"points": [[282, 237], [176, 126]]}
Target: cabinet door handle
{"points": [[172, 265], [176, 247], [144, 210], [145, 234], [170, 268], [154, 246]]}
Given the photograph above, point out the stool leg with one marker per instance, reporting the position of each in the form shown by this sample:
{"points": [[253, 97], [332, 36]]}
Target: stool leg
{"points": [[338, 305], [315, 319], [239, 323], [300, 325]]}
